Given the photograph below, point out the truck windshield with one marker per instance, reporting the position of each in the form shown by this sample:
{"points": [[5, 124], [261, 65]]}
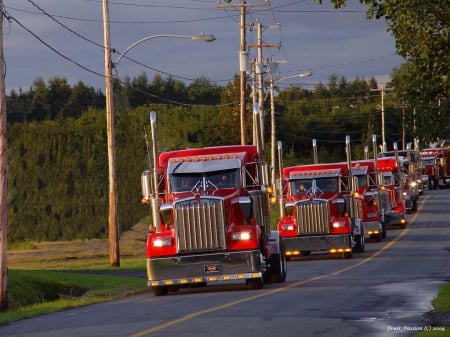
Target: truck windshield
{"points": [[388, 179], [313, 186], [428, 160], [181, 182], [362, 180]]}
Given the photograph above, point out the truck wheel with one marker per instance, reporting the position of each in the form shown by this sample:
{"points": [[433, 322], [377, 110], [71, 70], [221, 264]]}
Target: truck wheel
{"points": [[278, 269], [160, 290], [347, 255], [376, 237], [414, 207], [360, 245], [383, 233], [254, 283]]}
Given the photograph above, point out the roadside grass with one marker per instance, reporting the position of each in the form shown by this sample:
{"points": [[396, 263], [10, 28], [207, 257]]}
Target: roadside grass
{"points": [[37, 292], [441, 307], [442, 301], [48, 277]]}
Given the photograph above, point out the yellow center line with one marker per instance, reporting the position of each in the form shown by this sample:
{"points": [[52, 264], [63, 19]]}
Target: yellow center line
{"points": [[277, 290]]}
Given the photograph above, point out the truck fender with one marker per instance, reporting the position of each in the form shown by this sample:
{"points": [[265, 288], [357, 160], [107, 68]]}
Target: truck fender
{"points": [[274, 242], [357, 227]]}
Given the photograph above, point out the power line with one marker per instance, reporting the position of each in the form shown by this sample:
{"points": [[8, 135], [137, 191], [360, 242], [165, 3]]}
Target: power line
{"points": [[64, 26]]}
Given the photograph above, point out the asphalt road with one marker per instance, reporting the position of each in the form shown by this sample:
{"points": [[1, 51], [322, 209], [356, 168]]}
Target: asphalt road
{"points": [[382, 292]]}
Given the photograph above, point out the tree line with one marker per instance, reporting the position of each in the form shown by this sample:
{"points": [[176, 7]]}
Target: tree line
{"points": [[58, 165]]}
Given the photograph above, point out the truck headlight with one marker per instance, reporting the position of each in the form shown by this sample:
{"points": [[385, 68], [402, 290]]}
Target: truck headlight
{"points": [[287, 227], [338, 224], [162, 242], [240, 236]]}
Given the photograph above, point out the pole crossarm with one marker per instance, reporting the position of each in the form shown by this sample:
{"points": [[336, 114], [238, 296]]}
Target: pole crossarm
{"points": [[242, 4]]}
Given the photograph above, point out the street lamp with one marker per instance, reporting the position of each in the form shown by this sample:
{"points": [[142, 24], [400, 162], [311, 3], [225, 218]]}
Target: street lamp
{"points": [[201, 37], [109, 65], [272, 120]]}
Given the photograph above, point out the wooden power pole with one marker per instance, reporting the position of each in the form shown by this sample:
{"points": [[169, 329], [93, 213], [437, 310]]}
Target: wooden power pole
{"points": [[242, 60], [3, 180], [114, 253]]}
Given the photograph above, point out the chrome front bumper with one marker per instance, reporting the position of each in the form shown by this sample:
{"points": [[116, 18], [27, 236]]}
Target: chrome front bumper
{"points": [[317, 243], [204, 268]]}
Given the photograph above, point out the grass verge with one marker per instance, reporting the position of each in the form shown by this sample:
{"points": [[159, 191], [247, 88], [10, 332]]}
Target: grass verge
{"points": [[439, 318], [36, 292], [45, 277]]}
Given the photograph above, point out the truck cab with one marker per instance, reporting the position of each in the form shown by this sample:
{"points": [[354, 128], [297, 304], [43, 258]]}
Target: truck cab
{"points": [[210, 219], [317, 211]]}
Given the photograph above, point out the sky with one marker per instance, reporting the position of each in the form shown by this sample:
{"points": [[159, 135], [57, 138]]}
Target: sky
{"points": [[64, 38]]}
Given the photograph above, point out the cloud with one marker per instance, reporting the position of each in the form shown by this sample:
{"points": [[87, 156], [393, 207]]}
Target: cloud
{"points": [[313, 38]]}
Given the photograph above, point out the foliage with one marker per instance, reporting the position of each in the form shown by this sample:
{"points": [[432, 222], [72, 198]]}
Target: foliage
{"points": [[422, 33], [58, 173]]}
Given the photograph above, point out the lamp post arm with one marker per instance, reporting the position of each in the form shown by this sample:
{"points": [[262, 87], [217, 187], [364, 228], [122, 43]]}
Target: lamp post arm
{"points": [[201, 37], [145, 39]]}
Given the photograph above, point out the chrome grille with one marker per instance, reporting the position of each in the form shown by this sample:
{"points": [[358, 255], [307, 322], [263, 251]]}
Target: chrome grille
{"points": [[200, 225], [313, 218], [392, 196]]}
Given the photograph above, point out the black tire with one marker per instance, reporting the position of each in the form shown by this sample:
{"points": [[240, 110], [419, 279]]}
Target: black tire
{"points": [[383, 233], [414, 207], [347, 255], [377, 237], [360, 241], [160, 290], [360, 244], [254, 283], [278, 266]]}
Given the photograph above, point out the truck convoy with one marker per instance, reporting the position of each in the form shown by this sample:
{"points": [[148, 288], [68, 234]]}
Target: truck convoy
{"points": [[436, 166], [317, 210], [210, 218]]}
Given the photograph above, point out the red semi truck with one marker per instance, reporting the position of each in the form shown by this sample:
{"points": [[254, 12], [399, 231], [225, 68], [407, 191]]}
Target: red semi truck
{"points": [[436, 165], [317, 210], [210, 218], [393, 181], [372, 201]]}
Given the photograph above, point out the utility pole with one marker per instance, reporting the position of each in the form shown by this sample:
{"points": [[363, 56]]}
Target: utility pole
{"points": [[3, 180], [259, 70], [403, 106], [242, 59], [383, 136], [114, 253]]}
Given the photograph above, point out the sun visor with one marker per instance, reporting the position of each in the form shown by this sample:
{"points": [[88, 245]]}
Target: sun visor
{"points": [[203, 165]]}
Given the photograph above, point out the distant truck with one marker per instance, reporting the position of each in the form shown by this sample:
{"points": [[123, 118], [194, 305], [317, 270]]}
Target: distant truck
{"points": [[210, 218], [436, 165], [373, 201], [393, 181]]}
